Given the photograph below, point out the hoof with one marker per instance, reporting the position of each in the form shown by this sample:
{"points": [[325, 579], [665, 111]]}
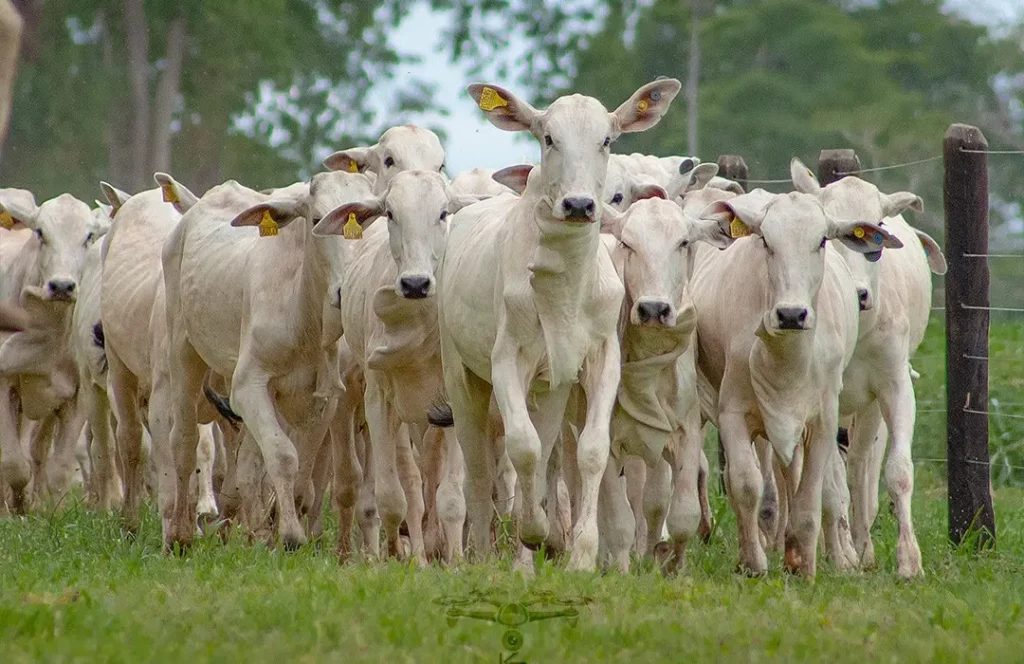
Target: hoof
{"points": [[293, 542]]}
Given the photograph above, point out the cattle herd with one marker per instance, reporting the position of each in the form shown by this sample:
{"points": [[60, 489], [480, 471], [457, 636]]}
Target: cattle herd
{"points": [[544, 343]]}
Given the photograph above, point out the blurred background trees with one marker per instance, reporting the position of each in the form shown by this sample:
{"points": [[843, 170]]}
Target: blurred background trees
{"points": [[260, 90]]}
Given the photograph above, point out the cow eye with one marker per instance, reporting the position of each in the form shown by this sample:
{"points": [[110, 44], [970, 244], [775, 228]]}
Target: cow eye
{"points": [[444, 214], [823, 241], [89, 238], [616, 199], [390, 216], [39, 234], [547, 140], [607, 141], [389, 162], [684, 244], [625, 246], [441, 169]]}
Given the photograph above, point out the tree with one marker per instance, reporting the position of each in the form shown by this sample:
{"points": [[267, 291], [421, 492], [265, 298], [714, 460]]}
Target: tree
{"points": [[10, 46]]}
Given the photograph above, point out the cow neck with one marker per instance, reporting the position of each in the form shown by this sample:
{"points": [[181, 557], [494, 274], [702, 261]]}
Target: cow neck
{"points": [[308, 306], [561, 271], [781, 367]]}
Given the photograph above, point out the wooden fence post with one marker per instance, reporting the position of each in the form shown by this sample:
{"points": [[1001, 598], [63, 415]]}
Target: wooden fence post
{"points": [[965, 195], [834, 164], [733, 167]]}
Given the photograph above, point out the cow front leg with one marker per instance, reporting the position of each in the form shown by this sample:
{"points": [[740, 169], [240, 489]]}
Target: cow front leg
{"points": [[600, 383], [744, 486], [384, 429], [899, 409], [451, 501], [684, 513], [615, 518], [804, 524]]}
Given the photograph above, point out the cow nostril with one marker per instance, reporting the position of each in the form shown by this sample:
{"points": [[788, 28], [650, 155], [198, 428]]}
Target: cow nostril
{"points": [[802, 316], [862, 296], [414, 287]]}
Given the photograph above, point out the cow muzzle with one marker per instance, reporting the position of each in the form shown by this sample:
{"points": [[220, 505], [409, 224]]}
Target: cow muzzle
{"points": [[654, 313], [577, 209], [864, 299], [792, 318], [61, 289], [416, 286]]}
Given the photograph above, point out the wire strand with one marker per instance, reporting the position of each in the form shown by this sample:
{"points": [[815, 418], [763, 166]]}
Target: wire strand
{"points": [[892, 166], [991, 151]]}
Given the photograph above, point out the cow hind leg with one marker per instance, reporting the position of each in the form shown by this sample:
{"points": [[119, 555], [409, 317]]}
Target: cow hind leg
{"points": [[124, 390], [412, 486], [635, 473], [470, 399], [657, 492], [615, 518], [451, 501], [707, 525], [899, 410]]}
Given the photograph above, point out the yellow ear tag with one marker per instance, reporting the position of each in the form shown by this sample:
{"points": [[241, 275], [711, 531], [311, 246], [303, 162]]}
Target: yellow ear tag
{"points": [[858, 232], [737, 228], [642, 105], [352, 230], [6, 220], [169, 193], [490, 99], [353, 167], [268, 227]]}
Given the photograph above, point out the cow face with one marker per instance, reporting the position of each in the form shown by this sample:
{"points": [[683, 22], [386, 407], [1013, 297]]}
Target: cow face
{"points": [[403, 148], [64, 229], [417, 206], [654, 256], [794, 231], [575, 134], [853, 198]]}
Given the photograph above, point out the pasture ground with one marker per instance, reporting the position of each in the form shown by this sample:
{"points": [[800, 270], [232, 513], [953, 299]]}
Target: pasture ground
{"points": [[73, 589]]}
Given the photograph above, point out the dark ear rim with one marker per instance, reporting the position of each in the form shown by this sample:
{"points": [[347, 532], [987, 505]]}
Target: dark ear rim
{"points": [[366, 212]]}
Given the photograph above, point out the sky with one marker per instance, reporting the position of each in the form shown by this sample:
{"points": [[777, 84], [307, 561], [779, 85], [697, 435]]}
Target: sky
{"points": [[472, 141]]}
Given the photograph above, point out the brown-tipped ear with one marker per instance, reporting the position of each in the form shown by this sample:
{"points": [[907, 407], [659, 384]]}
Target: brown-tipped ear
{"points": [[804, 179], [514, 177], [503, 109], [644, 109], [894, 204], [932, 250], [865, 237], [352, 160], [340, 220], [114, 196], [175, 193], [270, 216], [611, 221], [642, 191]]}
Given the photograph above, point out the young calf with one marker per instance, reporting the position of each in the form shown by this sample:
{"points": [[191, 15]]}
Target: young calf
{"points": [[776, 327], [657, 415]]}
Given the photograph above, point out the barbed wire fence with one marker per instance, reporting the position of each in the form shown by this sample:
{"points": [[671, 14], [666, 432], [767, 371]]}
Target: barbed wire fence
{"points": [[971, 463]]}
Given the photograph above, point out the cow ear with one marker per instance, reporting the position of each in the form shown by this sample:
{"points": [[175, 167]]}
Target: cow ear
{"points": [[270, 216], [700, 176], [712, 232], [726, 184], [642, 191], [611, 221], [864, 237], [458, 201], [17, 209], [175, 193], [353, 160], [114, 196], [936, 260], [644, 109], [514, 177], [740, 216], [894, 204], [349, 220], [804, 179], [503, 109]]}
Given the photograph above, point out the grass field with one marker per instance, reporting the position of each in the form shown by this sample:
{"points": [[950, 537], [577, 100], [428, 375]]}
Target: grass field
{"points": [[73, 589]]}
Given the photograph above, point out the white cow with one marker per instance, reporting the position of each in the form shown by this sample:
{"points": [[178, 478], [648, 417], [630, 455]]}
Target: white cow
{"points": [[631, 177], [252, 308], [43, 251], [776, 326], [528, 306], [657, 416], [390, 320], [403, 148], [894, 290], [478, 182]]}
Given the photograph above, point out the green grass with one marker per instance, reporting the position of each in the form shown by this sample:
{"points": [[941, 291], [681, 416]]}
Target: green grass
{"points": [[72, 588]]}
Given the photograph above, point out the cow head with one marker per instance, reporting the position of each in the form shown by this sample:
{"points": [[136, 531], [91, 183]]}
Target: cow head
{"points": [[624, 184], [417, 205], [64, 229], [853, 198], [403, 148], [794, 231], [654, 255], [575, 133]]}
